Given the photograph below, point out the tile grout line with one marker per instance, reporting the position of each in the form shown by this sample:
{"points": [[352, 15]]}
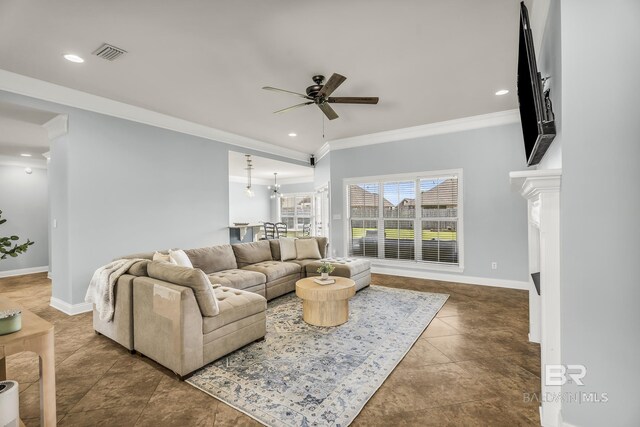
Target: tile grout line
{"points": [[148, 400]]}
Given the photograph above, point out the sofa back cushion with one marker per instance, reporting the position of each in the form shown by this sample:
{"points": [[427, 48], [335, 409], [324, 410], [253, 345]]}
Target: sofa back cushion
{"points": [[193, 278], [213, 258], [275, 248], [139, 268], [323, 245], [252, 253], [307, 249]]}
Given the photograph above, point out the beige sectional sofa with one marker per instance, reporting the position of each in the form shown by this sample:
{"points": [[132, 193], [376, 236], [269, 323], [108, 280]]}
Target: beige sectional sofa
{"points": [[158, 312]]}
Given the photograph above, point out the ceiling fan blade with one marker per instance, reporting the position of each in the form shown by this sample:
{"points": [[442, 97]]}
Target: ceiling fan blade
{"points": [[328, 111], [275, 89], [354, 100], [291, 108], [334, 81]]}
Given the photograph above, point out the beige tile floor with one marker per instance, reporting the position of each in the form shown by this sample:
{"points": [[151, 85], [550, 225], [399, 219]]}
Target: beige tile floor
{"points": [[470, 367]]}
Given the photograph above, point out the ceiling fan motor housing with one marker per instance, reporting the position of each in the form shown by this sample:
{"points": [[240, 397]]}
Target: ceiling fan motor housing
{"points": [[314, 89]]}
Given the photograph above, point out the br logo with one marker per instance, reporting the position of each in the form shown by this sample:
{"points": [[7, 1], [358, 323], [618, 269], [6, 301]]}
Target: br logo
{"points": [[557, 375]]}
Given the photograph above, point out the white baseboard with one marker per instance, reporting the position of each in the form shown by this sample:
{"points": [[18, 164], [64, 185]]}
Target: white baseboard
{"points": [[70, 309], [23, 271], [482, 281]]}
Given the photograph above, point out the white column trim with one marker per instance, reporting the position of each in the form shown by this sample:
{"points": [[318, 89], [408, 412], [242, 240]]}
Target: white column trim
{"points": [[70, 309], [541, 188]]}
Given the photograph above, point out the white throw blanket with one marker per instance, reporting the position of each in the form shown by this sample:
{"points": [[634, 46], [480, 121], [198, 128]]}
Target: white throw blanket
{"points": [[100, 290]]}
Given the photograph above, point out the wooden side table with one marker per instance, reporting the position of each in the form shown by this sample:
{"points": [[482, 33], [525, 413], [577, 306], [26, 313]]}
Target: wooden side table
{"points": [[36, 335], [325, 305]]}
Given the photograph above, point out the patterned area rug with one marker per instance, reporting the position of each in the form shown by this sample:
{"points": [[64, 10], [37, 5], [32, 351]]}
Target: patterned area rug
{"points": [[304, 375]]}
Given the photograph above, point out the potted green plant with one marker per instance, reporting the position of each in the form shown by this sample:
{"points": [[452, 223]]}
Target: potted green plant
{"points": [[325, 269], [6, 244]]}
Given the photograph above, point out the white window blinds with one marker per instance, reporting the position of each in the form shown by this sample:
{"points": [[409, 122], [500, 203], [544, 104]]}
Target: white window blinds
{"points": [[413, 219]]}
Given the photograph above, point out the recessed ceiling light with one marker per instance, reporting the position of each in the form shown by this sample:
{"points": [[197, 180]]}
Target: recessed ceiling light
{"points": [[293, 134], [502, 92], [73, 58], [25, 155]]}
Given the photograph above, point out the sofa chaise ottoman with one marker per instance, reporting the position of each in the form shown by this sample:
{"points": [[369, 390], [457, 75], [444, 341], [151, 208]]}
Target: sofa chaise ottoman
{"points": [[358, 270]]}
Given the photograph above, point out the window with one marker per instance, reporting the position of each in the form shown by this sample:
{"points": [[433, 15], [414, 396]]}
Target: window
{"points": [[296, 210], [385, 222]]}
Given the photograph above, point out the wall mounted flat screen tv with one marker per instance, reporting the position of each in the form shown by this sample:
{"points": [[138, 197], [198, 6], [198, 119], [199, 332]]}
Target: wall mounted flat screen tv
{"points": [[536, 114]]}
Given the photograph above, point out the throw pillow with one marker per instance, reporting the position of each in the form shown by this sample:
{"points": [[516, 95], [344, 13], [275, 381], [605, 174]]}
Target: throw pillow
{"points": [[288, 248], [180, 258], [163, 258], [193, 278], [307, 249]]}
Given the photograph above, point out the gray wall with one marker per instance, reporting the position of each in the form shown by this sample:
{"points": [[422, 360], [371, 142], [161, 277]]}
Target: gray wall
{"points": [[550, 64], [244, 209], [495, 217], [119, 187], [302, 187], [601, 149], [23, 202], [322, 172]]}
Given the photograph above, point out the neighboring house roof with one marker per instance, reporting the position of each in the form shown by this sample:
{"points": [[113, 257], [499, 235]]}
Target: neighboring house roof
{"points": [[443, 194], [358, 196]]}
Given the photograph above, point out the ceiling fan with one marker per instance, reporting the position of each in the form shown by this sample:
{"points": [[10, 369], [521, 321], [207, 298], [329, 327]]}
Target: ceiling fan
{"points": [[319, 94]]}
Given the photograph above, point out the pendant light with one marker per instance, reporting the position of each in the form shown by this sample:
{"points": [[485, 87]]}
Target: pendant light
{"points": [[248, 191], [275, 188]]}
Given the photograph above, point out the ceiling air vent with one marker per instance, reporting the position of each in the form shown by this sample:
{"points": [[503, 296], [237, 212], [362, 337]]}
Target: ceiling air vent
{"points": [[109, 52]]}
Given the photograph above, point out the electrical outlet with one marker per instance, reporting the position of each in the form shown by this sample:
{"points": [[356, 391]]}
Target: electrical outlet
{"points": [[494, 265]]}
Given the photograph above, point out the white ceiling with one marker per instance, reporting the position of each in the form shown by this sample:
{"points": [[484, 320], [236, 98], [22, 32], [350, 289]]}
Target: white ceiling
{"points": [[263, 169], [22, 132], [205, 61]]}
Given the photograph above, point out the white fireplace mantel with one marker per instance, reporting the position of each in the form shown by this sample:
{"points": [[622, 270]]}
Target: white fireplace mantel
{"points": [[541, 188]]}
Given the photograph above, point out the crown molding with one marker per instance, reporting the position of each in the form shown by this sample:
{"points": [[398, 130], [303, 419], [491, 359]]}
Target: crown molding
{"points": [[450, 126], [322, 151], [28, 86], [23, 162], [57, 126]]}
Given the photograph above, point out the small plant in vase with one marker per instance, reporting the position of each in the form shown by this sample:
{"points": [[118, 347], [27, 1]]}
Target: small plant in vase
{"points": [[8, 245], [325, 269]]}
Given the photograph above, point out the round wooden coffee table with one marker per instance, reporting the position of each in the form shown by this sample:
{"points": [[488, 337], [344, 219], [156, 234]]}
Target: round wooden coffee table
{"points": [[325, 305]]}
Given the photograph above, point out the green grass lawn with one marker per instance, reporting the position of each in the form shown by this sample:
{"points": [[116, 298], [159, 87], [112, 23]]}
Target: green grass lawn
{"points": [[408, 234]]}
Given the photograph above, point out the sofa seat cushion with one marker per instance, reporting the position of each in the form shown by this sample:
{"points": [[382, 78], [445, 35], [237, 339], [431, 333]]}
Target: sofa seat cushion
{"points": [[237, 279], [303, 263], [344, 267], [234, 305], [274, 270]]}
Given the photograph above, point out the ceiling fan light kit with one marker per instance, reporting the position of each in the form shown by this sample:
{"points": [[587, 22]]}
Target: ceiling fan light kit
{"points": [[319, 94]]}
